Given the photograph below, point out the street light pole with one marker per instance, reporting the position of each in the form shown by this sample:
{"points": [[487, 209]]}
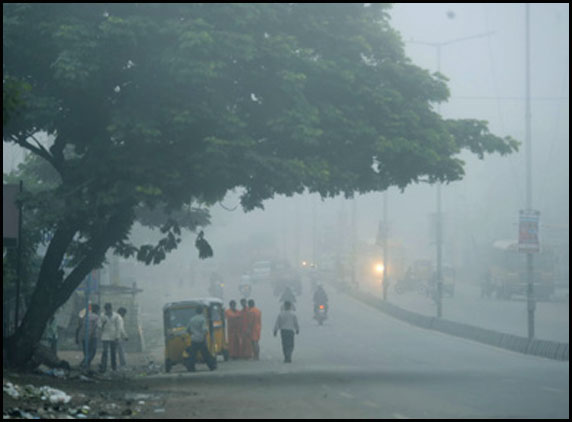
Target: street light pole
{"points": [[385, 251], [531, 304], [438, 218], [354, 242]]}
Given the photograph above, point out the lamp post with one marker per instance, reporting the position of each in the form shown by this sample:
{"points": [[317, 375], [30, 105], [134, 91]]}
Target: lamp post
{"points": [[531, 303], [439, 227], [385, 251]]}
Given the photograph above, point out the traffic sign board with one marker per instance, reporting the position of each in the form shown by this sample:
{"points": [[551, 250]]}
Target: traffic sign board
{"points": [[528, 240]]}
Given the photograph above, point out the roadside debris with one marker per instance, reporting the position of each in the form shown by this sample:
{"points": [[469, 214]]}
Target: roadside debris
{"points": [[46, 402], [50, 394], [55, 372], [151, 368]]}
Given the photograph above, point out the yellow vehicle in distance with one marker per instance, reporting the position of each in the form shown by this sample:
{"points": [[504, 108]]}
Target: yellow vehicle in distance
{"points": [[176, 317]]}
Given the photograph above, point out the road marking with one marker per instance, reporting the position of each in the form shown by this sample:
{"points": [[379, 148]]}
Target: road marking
{"points": [[346, 395], [552, 390], [399, 416]]}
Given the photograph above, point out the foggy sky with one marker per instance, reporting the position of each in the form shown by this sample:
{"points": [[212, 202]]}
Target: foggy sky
{"points": [[485, 204]]}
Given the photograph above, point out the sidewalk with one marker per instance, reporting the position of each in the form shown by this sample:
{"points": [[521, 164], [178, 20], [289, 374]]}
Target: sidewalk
{"points": [[552, 320]]}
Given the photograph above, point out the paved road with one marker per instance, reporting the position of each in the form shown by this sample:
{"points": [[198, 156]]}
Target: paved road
{"points": [[363, 364]]}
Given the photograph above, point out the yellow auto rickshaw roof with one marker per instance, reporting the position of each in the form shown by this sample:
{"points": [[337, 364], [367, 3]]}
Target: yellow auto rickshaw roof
{"points": [[205, 301]]}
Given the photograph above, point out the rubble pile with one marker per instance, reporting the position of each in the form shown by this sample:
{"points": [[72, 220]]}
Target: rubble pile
{"points": [[45, 402]]}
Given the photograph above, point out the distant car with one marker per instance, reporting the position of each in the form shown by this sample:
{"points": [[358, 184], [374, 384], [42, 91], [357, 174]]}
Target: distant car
{"points": [[293, 283], [261, 271]]}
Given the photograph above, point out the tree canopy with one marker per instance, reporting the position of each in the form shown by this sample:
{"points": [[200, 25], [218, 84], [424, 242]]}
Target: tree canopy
{"points": [[153, 106]]}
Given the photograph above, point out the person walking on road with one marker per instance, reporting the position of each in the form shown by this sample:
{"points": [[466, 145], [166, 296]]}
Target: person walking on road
{"points": [[198, 329], [246, 327], [287, 323], [233, 320], [257, 326], [109, 324]]}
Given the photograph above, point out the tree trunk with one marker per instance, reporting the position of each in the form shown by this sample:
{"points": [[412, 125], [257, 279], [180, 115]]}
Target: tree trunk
{"points": [[52, 291], [43, 304]]}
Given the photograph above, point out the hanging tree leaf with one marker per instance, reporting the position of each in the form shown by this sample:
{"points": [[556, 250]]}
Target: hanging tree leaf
{"points": [[205, 250]]}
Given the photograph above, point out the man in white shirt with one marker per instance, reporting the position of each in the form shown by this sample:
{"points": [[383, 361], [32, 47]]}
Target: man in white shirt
{"points": [[287, 323], [110, 326]]}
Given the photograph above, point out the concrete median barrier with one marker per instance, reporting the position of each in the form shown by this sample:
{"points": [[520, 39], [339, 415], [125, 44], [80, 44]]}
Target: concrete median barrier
{"points": [[537, 348], [543, 348], [562, 352], [548, 349]]}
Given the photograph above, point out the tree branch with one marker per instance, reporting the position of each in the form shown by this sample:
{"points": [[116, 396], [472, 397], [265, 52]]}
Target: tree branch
{"points": [[40, 146], [39, 150], [99, 246]]}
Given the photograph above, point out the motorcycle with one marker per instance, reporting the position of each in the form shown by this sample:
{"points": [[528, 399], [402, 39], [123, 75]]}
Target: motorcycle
{"points": [[320, 313], [245, 290]]}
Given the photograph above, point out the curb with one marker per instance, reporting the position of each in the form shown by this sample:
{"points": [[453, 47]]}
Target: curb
{"points": [[543, 348]]}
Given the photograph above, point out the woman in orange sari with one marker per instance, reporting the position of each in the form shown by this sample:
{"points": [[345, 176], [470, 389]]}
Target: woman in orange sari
{"points": [[246, 327], [233, 325], [255, 334]]}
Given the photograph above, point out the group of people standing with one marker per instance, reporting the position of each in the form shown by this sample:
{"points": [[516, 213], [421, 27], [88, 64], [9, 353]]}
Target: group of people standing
{"points": [[243, 328], [109, 328], [243, 332]]}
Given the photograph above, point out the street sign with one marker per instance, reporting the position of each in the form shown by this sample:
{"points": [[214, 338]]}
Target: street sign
{"points": [[528, 240]]}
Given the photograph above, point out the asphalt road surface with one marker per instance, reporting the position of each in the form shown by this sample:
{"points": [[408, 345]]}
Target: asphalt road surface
{"points": [[364, 364]]}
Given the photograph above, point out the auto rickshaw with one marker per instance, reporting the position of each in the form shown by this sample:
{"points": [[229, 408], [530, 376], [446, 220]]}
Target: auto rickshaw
{"points": [[176, 317]]}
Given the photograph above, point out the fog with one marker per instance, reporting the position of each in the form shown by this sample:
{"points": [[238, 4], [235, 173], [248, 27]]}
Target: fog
{"points": [[487, 81], [486, 75], [359, 352]]}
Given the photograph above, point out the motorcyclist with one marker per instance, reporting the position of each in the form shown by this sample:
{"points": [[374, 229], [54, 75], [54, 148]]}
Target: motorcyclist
{"points": [[245, 286], [320, 298], [288, 296]]}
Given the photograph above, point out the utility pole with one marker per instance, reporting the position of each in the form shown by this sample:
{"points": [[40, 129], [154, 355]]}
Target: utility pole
{"points": [[531, 304], [438, 218], [314, 257], [385, 247], [354, 241], [296, 205]]}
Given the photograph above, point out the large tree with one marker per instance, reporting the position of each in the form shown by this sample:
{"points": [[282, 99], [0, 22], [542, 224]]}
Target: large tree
{"points": [[157, 105]]}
